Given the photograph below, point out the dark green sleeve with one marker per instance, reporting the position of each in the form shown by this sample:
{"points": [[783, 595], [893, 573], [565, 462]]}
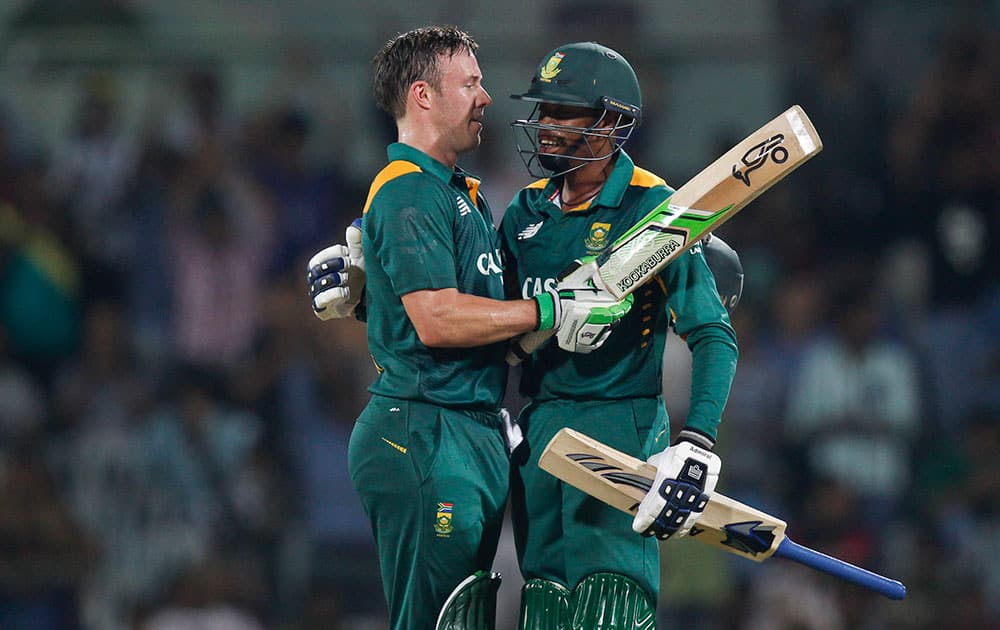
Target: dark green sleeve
{"points": [[413, 236], [702, 320]]}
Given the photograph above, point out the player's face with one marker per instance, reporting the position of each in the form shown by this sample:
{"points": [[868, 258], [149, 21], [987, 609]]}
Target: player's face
{"points": [[569, 142], [463, 101]]}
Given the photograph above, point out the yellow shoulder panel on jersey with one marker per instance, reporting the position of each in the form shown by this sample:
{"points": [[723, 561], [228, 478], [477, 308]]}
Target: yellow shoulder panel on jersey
{"points": [[541, 183], [392, 170], [644, 179]]}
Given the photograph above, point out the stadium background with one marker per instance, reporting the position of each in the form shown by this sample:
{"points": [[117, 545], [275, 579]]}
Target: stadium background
{"points": [[173, 420]]}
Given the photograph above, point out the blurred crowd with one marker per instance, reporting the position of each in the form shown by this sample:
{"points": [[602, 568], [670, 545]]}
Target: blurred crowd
{"points": [[174, 421]]}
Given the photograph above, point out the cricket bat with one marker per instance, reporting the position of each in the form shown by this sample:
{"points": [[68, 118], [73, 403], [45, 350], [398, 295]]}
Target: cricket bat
{"points": [[701, 205], [622, 481]]}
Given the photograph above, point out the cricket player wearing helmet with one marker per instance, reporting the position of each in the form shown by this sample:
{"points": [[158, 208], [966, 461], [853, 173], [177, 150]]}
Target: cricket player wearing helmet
{"points": [[583, 564]]}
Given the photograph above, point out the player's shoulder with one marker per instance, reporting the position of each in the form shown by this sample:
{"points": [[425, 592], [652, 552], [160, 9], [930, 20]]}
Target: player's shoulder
{"points": [[642, 178], [402, 182]]}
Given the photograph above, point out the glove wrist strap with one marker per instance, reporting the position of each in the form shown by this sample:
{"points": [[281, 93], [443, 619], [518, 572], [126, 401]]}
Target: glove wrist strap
{"points": [[696, 437], [546, 311]]}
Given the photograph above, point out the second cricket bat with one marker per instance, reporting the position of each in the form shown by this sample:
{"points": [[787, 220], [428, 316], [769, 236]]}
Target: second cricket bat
{"points": [[701, 205], [622, 481]]}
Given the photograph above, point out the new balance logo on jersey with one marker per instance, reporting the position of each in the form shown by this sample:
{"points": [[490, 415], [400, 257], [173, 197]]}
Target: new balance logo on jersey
{"points": [[529, 231], [463, 208]]}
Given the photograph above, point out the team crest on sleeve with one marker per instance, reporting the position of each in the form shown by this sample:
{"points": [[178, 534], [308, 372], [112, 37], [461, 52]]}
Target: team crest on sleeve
{"points": [[442, 522], [597, 240], [551, 68]]}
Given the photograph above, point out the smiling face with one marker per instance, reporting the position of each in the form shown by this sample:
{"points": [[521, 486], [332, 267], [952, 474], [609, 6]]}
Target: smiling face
{"points": [[561, 135], [459, 101]]}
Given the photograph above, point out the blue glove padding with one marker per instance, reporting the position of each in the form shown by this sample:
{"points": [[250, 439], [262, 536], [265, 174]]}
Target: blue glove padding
{"points": [[686, 475], [336, 277]]}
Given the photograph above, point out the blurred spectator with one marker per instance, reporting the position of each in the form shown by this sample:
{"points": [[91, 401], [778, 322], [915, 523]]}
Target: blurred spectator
{"points": [[200, 119], [957, 495], [103, 383], [854, 407], [43, 554], [199, 451], [847, 183], [308, 200], [217, 247], [945, 168], [40, 282], [316, 376], [792, 597], [22, 401], [217, 594], [89, 174]]}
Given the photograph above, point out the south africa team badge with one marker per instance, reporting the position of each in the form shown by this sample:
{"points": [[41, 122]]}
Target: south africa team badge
{"points": [[551, 68], [597, 240], [442, 522]]}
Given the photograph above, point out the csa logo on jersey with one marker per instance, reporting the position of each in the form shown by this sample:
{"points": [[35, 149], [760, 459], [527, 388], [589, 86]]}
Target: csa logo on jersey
{"points": [[551, 68], [598, 238], [442, 522]]}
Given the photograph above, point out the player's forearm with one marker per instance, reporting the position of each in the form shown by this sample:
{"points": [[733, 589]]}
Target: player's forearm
{"points": [[448, 319], [713, 364]]}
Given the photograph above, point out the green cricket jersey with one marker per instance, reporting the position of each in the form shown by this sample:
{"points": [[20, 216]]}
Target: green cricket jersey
{"points": [[427, 227], [540, 240]]}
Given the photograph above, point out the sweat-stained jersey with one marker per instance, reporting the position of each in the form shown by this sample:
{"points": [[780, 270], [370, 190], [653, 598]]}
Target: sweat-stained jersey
{"points": [[427, 227], [540, 241]]}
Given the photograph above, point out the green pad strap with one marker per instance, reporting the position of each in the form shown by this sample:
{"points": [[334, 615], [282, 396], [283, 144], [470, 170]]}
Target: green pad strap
{"points": [[472, 605], [605, 601], [544, 606]]}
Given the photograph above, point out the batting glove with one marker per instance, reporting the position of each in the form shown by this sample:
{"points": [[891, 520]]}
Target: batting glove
{"points": [[582, 314], [336, 277], [686, 474]]}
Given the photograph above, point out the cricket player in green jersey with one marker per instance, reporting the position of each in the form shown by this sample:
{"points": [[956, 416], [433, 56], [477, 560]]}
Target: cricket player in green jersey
{"points": [[429, 455], [583, 562]]}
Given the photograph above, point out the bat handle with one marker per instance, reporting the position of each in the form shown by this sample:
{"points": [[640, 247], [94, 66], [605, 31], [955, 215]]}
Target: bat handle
{"points": [[522, 347], [893, 589]]}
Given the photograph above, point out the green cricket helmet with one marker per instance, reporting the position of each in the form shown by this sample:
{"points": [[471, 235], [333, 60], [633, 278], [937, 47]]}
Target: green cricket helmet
{"points": [[581, 74]]}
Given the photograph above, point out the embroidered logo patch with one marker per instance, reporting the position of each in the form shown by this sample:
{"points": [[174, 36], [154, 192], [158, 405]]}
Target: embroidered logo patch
{"points": [[598, 237], [442, 522], [551, 67]]}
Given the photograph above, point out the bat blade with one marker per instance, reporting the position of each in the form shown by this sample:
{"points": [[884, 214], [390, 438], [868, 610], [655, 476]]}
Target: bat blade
{"points": [[708, 200], [622, 481], [701, 205]]}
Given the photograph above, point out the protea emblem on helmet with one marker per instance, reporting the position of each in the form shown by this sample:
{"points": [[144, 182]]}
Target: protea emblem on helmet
{"points": [[551, 68]]}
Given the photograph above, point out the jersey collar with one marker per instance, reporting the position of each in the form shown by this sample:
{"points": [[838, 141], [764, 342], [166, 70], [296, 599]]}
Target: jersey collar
{"points": [[611, 194], [400, 151]]}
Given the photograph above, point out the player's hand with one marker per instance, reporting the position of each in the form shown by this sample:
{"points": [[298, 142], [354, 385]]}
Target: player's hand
{"points": [[686, 475], [336, 277], [582, 314]]}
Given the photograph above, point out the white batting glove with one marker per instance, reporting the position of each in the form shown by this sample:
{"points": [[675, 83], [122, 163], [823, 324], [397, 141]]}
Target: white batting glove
{"points": [[686, 475], [582, 314], [336, 277]]}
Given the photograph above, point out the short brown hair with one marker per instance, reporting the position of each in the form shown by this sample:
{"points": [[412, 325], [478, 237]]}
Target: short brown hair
{"points": [[413, 56]]}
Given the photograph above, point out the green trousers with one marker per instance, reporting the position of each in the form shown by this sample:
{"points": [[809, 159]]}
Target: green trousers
{"points": [[561, 533], [434, 484]]}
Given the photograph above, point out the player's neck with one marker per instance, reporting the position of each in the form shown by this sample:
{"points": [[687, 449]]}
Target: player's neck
{"points": [[582, 185], [426, 139]]}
